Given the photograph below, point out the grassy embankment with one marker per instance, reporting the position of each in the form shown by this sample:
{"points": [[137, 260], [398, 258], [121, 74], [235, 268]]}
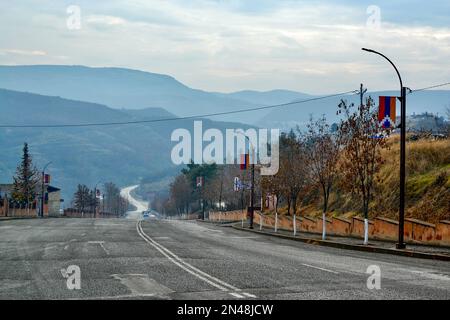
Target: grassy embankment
{"points": [[428, 185]]}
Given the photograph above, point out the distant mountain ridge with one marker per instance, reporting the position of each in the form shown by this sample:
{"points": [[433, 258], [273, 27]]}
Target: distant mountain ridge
{"points": [[122, 88], [124, 154]]}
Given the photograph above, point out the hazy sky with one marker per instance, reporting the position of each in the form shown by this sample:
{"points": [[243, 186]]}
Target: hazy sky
{"points": [[230, 45]]}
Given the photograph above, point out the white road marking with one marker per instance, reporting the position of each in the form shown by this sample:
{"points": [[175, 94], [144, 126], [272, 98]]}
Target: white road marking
{"points": [[237, 295], [141, 284], [123, 296], [433, 276], [101, 244], [66, 247], [249, 295], [213, 230], [213, 281], [318, 268]]}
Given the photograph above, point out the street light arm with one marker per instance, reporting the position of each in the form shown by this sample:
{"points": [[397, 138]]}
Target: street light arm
{"points": [[396, 70], [45, 167]]}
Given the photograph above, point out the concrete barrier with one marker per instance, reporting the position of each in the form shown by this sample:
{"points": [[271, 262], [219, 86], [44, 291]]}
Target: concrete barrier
{"points": [[380, 228], [385, 229], [419, 231], [442, 234], [340, 226]]}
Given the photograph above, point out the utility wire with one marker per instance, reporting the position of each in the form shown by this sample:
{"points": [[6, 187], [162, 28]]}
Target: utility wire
{"points": [[431, 87], [178, 118], [202, 115]]}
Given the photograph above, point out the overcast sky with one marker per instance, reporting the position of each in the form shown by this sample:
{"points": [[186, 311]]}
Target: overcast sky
{"points": [[231, 45]]}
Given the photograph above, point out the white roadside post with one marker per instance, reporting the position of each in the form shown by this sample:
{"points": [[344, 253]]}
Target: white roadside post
{"points": [[295, 226], [366, 231], [276, 221], [324, 226], [260, 221]]}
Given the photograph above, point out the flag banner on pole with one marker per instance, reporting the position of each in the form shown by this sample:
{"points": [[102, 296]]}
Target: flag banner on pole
{"points": [[46, 178], [245, 160], [200, 182], [386, 112]]}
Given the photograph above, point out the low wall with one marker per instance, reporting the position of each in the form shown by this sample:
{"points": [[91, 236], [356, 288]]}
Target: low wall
{"points": [[236, 215], [415, 231], [77, 214]]}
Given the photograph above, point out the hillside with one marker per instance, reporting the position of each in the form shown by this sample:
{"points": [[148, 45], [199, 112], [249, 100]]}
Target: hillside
{"points": [[122, 154], [122, 88], [427, 190], [119, 88]]}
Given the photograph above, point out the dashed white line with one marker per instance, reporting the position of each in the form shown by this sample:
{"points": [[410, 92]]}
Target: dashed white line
{"points": [[236, 295], [318, 268]]}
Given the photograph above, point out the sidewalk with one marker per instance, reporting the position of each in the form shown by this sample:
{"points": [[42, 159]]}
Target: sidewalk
{"points": [[412, 250]]}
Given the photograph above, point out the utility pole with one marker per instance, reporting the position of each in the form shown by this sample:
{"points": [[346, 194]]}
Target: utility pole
{"points": [[95, 200], [362, 91]]}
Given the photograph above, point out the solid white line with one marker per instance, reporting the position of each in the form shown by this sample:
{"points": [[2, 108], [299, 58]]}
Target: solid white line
{"points": [[181, 265], [124, 296], [223, 283], [249, 295], [236, 295], [323, 269]]}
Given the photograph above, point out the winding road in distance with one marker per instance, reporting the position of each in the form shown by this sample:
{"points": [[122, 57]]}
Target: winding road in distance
{"points": [[137, 203]]}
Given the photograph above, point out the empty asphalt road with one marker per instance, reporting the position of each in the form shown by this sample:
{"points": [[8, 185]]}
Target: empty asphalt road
{"points": [[125, 258]]}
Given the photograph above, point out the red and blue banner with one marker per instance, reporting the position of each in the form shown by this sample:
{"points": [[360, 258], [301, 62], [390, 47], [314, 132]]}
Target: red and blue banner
{"points": [[386, 112], [245, 160]]}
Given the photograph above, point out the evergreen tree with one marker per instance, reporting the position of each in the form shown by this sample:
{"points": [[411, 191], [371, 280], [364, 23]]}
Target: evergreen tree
{"points": [[26, 180]]}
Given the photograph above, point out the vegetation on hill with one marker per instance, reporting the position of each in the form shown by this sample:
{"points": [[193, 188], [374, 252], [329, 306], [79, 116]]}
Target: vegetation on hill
{"points": [[370, 189]]}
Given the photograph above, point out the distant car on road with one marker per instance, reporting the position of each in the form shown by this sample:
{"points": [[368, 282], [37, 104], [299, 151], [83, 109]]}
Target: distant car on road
{"points": [[148, 215]]}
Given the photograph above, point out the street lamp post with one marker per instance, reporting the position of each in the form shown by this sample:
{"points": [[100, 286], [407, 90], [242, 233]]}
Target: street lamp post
{"points": [[252, 192], [401, 218], [252, 195], [41, 214], [95, 199]]}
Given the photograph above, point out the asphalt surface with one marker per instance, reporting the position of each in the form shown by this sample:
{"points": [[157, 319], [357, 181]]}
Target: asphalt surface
{"points": [[128, 259]]}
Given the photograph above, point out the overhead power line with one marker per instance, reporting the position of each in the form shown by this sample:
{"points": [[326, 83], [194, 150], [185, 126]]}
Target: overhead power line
{"points": [[74, 125], [176, 118], [431, 87]]}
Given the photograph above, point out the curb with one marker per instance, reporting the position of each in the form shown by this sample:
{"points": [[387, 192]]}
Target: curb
{"points": [[221, 223], [346, 246]]}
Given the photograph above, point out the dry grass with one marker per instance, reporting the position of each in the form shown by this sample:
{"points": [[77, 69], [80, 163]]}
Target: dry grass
{"points": [[428, 185]]}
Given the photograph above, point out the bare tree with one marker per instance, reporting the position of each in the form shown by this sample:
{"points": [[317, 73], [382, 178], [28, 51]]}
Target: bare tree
{"points": [[180, 191], [363, 139], [322, 153]]}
